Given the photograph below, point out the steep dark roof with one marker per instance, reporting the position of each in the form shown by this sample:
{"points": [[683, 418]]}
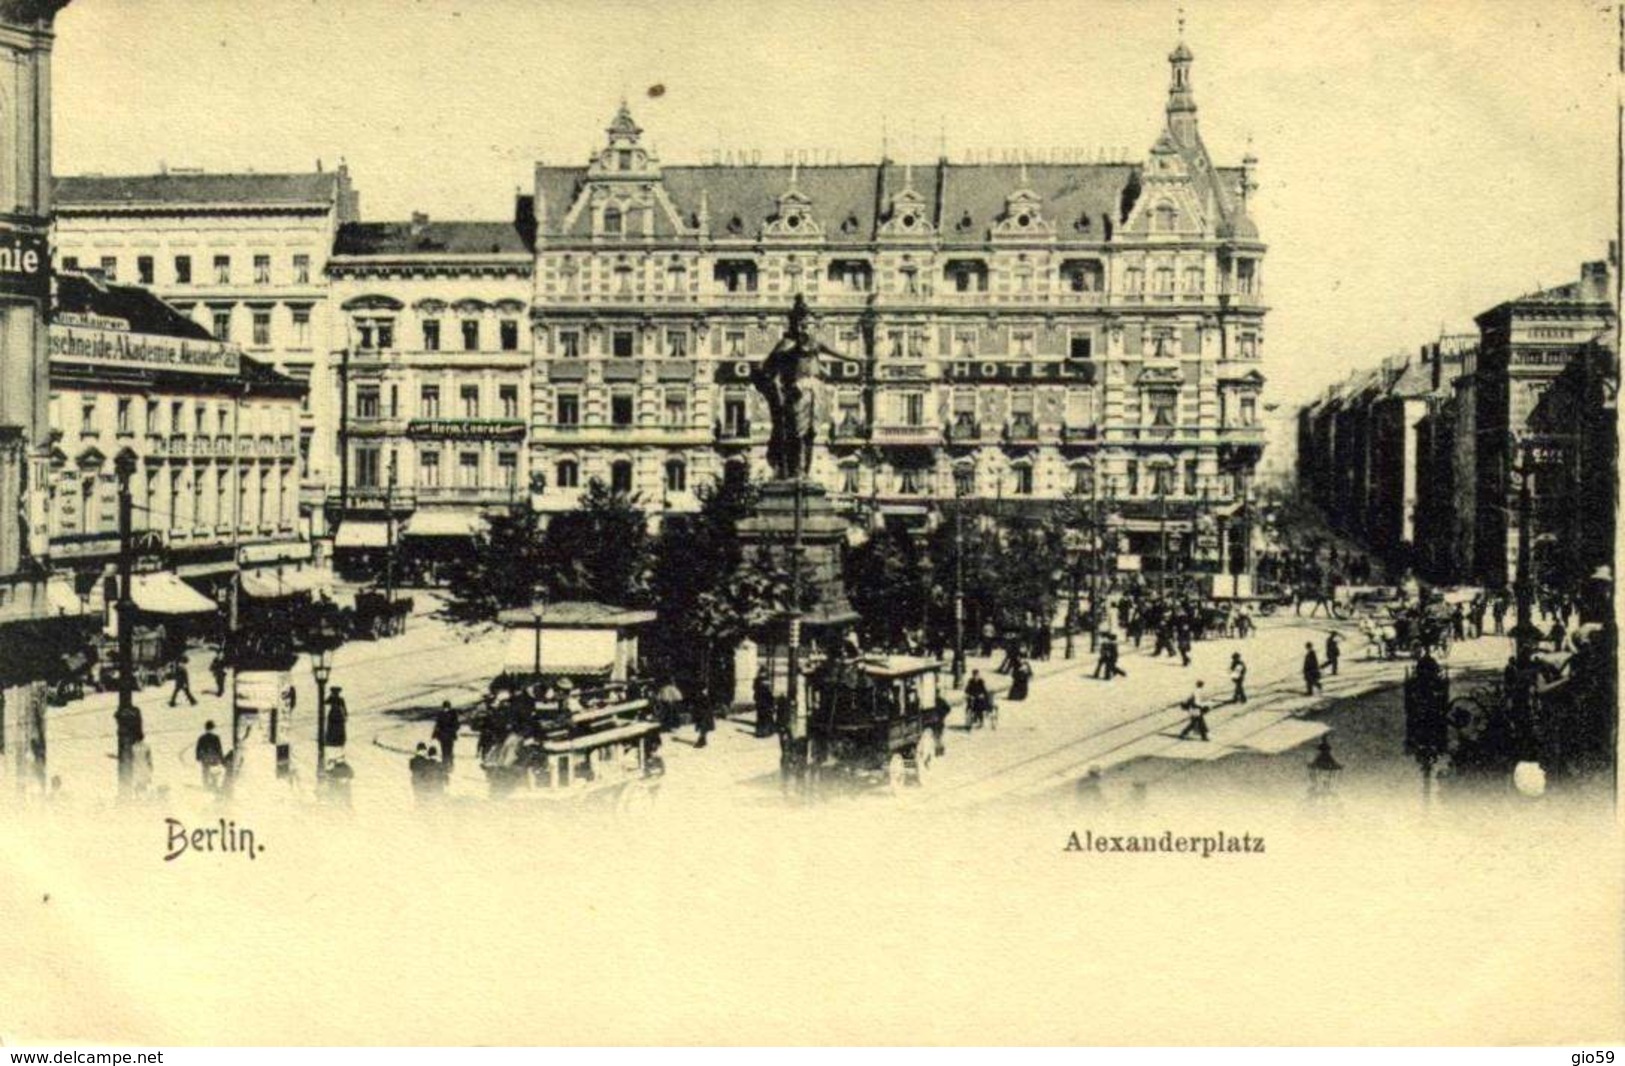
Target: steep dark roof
{"points": [[184, 188], [429, 238], [850, 201], [146, 313]]}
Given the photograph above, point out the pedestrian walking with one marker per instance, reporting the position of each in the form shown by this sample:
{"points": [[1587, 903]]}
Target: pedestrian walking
{"points": [[445, 733], [1499, 612], [217, 667], [975, 700], [1020, 675], [183, 684], [211, 758], [989, 635], [337, 719], [422, 768], [1458, 623], [1311, 670], [761, 691], [1334, 651], [1106, 666], [1238, 678], [705, 721], [1196, 708], [1182, 638]]}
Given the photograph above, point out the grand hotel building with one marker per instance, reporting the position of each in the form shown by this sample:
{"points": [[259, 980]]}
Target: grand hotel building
{"points": [[1016, 332]]}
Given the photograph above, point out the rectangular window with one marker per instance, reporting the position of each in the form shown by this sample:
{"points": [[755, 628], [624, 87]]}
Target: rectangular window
{"points": [[508, 397], [676, 343], [1190, 477], [154, 423], [223, 414], [200, 420], [676, 408], [366, 468], [262, 329], [183, 270], [468, 470], [1024, 480], [471, 335], [621, 343], [469, 397], [87, 416], [567, 475], [431, 334], [620, 477], [1249, 411], [366, 401], [849, 479], [1021, 342], [429, 401], [508, 470], [569, 409], [222, 270], [569, 344], [734, 343], [676, 476], [70, 262], [1082, 346], [429, 470], [914, 408], [1162, 409], [965, 343], [143, 269], [1134, 280], [386, 334], [734, 420], [262, 270], [123, 415], [508, 330], [301, 269], [222, 324], [110, 267], [620, 409], [301, 327]]}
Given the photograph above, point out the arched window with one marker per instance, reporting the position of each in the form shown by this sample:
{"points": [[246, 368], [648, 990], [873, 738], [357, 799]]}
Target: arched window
{"points": [[620, 476], [613, 222], [676, 476], [567, 475]]}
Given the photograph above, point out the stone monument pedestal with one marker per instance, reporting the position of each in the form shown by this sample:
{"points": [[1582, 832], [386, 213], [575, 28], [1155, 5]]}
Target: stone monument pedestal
{"points": [[823, 533]]}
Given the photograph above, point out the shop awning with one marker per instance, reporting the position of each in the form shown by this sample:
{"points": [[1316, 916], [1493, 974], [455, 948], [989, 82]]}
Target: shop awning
{"points": [[269, 584], [354, 534], [569, 653], [166, 593], [443, 524], [63, 599]]}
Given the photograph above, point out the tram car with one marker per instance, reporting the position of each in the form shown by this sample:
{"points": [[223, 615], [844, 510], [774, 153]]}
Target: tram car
{"points": [[873, 717]]}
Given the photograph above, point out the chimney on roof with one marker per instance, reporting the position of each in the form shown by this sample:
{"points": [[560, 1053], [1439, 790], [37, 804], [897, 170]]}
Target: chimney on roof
{"points": [[318, 164], [1594, 281], [420, 222]]}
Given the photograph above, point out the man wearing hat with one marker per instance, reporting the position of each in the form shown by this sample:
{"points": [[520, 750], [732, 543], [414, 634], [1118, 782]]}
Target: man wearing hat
{"points": [[337, 719]]}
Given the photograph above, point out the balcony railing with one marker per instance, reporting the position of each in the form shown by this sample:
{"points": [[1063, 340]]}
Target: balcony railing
{"points": [[1021, 431], [908, 435], [848, 431], [963, 432]]}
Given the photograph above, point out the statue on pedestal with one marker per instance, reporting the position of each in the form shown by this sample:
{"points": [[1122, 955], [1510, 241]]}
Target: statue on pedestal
{"points": [[788, 379]]}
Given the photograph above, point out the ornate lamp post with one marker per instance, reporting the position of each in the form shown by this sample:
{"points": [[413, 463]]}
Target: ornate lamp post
{"points": [[959, 579], [321, 668], [536, 622], [127, 718]]}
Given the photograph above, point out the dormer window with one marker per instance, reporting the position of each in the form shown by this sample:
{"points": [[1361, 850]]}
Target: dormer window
{"points": [[614, 222], [623, 159], [736, 275], [736, 225], [850, 224], [1166, 218]]}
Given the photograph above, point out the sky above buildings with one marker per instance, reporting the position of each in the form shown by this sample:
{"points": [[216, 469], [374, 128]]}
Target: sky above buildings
{"points": [[1417, 163]]}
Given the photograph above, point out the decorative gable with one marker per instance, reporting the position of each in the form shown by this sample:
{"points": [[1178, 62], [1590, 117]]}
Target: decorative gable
{"points": [[907, 215], [1023, 214], [793, 217]]}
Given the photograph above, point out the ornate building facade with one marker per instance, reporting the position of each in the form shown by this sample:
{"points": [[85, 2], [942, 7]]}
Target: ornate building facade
{"points": [[1012, 333], [244, 255], [433, 348]]}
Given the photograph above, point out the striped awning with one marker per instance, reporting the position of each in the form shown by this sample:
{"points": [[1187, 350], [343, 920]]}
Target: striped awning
{"points": [[166, 593]]}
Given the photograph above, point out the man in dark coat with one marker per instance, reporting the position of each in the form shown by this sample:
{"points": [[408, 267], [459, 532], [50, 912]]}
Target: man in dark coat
{"points": [[208, 753], [761, 691], [183, 684], [218, 668], [1334, 652], [338, 732], [445, 733], [1311, 670], [975, 699]]}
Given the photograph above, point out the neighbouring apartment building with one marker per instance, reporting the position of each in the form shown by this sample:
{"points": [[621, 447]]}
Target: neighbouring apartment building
{"points": [[29, 637], [1011, 332], [244, 255], [432, 342]]}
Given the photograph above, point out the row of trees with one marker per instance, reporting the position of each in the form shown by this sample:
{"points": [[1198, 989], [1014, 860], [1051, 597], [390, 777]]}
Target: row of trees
{"points": [[711, 593]]}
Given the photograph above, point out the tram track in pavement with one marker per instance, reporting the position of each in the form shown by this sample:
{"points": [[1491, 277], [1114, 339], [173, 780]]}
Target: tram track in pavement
{"points": [[1021, 777]]}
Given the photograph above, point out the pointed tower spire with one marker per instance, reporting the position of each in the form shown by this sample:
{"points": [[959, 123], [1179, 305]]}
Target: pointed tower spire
{"points": [[1181, 102]]}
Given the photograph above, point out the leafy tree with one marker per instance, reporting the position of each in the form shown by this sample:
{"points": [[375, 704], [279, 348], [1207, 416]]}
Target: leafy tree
{"points": [[599, 551], [885, 582], [506, 567]]}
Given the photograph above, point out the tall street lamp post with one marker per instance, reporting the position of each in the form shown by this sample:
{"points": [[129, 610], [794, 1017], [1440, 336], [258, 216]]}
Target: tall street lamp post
{"points": [[959, 583], [321, 668], [127, 718]]}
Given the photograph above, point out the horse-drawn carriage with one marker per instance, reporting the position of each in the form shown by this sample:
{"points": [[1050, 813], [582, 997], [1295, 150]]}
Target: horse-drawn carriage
{"points": [[1405, 633], [869, 718], [376, 615]]}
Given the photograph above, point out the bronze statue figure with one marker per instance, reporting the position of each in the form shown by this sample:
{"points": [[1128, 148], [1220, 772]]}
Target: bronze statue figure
{"points": [[788, 379]]}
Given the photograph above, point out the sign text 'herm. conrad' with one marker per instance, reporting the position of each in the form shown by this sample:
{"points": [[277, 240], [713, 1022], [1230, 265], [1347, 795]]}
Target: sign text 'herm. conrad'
{"points": [[71, 344]]}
